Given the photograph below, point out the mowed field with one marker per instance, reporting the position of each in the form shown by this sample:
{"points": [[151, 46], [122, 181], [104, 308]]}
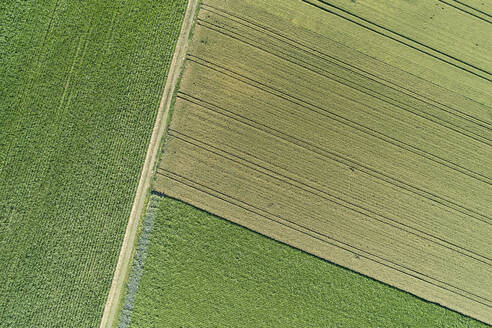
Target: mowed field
{"points": [[203, 271], [343, 131], [80, 85]]}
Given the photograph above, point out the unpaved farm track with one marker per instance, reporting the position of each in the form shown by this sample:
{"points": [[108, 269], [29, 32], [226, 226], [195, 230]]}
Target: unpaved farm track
{"points": [[148, 170]]}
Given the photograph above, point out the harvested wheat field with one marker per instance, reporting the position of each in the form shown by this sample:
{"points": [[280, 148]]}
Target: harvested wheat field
{"points": [[356, 131]]}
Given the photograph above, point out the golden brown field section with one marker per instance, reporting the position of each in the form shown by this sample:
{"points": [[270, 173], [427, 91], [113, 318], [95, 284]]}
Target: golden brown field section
{"points": [[358, 137]]}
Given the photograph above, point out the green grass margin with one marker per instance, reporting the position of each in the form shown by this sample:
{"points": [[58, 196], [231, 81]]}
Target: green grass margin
{"points": [[204, 271]]}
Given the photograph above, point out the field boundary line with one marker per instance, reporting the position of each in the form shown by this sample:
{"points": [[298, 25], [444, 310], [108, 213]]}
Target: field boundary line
{"points": [[149, 167], [323, 193], [319, 236]]}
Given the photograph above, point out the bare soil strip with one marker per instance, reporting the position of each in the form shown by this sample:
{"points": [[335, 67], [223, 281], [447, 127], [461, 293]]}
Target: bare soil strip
{"points": [[306, 134], [121, 272]]}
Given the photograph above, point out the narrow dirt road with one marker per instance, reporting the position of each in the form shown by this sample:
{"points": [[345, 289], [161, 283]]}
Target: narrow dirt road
{"points": [[114, 297]]}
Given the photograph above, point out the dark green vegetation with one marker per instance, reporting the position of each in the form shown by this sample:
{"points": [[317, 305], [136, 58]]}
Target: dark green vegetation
{"points": [[202, 271], [80, 84]]}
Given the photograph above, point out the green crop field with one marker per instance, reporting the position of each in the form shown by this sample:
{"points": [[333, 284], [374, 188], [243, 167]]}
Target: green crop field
{"points": [[203, 271], [80, 85]]}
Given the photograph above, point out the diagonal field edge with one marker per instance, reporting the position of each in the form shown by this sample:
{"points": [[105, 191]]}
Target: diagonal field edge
{"points": [[414, 275], [305, 187], [169, 183]]}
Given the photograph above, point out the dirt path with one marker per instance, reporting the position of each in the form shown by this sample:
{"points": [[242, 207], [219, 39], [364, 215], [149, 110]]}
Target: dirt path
{"points": [[110, 310]]}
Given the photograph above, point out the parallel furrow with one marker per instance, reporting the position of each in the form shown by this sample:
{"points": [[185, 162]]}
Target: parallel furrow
{"points": [[336, 78], [330, 197], [468, 10], [472, 8], [395, 36], [313, 107], [309, 50], [322, 236], [338, 158]]}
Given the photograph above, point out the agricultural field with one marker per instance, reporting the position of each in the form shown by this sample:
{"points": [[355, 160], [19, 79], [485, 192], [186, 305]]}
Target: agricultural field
{"points": [[343, 131], [203, 271], [81, 83]]}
